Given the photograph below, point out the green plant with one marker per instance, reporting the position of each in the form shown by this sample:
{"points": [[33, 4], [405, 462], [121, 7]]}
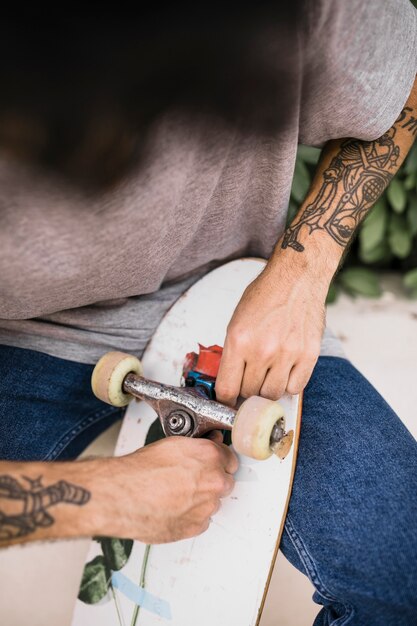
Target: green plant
{"points": [[96, 582], [387, 238]]}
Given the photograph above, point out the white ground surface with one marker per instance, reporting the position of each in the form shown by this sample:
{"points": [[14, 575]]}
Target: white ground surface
{"points": [[39, 582]]}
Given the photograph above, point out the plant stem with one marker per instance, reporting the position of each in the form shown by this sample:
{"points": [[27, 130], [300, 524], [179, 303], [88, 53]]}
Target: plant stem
{"points": [[116, 602], [141, 583]]}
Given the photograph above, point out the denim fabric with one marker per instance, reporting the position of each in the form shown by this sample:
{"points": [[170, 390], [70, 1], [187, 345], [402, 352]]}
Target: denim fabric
{"points": [[47, 408], [352, 520]]}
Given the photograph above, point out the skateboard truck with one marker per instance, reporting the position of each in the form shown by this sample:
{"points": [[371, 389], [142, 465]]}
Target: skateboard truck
{"points": [[185, 411], [258, 425]]}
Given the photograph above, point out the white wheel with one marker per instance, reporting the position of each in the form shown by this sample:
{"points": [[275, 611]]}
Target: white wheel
{"points": [[109, 374], [253, 425]]}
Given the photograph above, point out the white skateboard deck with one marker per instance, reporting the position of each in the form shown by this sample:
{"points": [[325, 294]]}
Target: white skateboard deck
{"points": [[219, 578]]}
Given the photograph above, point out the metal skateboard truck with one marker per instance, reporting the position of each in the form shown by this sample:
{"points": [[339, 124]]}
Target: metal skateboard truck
{"points": [[187, 411], [257, 425]]}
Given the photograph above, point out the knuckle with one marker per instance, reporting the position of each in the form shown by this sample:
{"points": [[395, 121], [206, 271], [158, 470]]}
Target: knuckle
{"points": [[203, 527], [268, 351], [215, 507], [221, 484], [196, 529], [238, 336], [229, 484], [225, 391], [207, 510]]}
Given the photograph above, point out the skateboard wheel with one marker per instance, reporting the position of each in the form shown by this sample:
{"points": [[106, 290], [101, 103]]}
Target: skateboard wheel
{"points": [[109, 374], [252, 429]]}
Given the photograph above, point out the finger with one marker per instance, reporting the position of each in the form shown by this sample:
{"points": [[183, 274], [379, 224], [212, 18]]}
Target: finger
{"points": [[253, 378], [189, 531], [204, 526], [216, 507], [275, 382], [218, 484], [229, 377], [216, 436], [300, 375], [228, 458], [229, 485]]}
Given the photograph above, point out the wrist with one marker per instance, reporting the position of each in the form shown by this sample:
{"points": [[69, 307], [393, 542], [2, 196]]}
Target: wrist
{"points": [[106, 514], [316, 263], [117, 484]]}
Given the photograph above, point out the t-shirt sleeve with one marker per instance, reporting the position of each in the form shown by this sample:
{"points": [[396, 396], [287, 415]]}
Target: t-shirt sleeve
{"points": [[359, 65]]}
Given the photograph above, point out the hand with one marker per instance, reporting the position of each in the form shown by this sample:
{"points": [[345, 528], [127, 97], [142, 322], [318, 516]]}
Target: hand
{"points": [[273, 339], [169, 490]]}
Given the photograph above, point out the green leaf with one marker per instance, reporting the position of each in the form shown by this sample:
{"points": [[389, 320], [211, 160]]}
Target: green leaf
{"points": [[410, 181], [373, 229], [410, 165], [116, 551], [155, 432], [399, 237], [381, 252], [301, 181], [412, 214], [396, 195], [308, 154], [95, 581], [360, 281], [410, 280], [332, 294]]}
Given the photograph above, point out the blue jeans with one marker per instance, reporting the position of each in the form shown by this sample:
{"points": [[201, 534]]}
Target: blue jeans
{"points": [[352, 519]]}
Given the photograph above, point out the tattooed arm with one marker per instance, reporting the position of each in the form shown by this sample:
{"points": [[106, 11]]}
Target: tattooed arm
{"points": [[351, 176], [36, 502], [273, 339], [164, 492]]}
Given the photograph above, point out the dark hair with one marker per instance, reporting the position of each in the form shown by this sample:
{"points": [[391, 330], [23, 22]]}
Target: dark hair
{"points": [[79, 95]]}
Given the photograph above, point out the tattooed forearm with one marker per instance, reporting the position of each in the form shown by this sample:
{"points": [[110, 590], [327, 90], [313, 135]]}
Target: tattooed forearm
{"points": [[410, 120], [351, 184], [25, 505]]}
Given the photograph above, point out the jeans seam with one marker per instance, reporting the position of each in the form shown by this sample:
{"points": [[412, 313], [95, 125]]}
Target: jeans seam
{"points": [[311, 569], [68, 437]]}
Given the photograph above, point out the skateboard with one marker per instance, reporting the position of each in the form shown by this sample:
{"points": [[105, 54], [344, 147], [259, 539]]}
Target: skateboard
{"points": [[222, 576]]}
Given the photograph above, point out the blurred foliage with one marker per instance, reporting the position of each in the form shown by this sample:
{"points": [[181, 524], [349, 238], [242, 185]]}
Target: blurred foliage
{"points": [[386, 239]]}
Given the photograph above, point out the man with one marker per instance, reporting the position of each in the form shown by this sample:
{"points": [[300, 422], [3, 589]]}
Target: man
{"points": [[87, 268]]}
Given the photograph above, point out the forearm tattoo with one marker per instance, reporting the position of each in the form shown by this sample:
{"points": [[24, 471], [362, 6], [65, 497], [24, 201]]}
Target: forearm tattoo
{"points": [[352, 183], [24, 509]]}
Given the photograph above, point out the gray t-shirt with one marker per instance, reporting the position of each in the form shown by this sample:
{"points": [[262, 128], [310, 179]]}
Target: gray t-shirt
{"points": [[82, 274]]}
